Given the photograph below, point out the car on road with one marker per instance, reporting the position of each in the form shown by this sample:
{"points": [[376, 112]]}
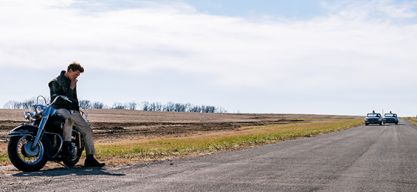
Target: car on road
{"points": [[373, 118], [390, 118]]}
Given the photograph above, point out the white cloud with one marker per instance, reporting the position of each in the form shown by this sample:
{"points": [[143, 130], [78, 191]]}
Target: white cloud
{"points": [[381, 10], [318, 54]]}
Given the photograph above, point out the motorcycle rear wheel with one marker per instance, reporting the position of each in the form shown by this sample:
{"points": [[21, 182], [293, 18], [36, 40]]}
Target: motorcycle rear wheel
{"points": [[76, 155], [24, 158]]}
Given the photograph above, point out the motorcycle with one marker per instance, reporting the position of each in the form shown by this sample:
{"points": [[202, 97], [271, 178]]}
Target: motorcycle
{"points": [[32, 144]]}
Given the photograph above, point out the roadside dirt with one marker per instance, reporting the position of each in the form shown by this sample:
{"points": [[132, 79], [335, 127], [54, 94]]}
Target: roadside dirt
{"points": [[120, 124]]}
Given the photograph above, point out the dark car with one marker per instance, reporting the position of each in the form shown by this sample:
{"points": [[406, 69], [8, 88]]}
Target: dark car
{"points": [[373, 118], [390, 118]]}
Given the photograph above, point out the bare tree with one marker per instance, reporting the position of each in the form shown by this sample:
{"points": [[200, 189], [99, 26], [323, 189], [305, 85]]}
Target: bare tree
{"points": [[27, 104], [146, 106], [98, 105], [118, 106], [85, 104], [9, 105], [156, 106], [132, 105]]}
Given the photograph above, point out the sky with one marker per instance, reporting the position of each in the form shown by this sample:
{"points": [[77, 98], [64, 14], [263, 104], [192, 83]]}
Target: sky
{"points": [[345, 57]]}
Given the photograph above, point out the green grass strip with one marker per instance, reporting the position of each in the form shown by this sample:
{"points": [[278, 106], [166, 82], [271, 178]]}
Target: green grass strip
{"points": [[412, 120], [3, 158], [250, 136], [159, 148]]}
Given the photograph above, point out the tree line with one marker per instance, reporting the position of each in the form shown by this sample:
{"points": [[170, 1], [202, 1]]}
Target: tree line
{"points": [[144, 106]]}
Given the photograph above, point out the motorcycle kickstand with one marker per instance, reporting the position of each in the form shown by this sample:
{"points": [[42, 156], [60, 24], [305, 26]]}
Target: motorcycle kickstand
{"points": [[65, 166]]}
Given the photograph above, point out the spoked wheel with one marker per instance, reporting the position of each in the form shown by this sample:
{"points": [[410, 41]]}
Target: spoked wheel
{"points": [[75, 156], [23, 156]]}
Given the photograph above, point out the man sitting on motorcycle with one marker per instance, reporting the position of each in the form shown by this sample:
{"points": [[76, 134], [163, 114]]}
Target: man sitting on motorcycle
{"points": [[66, 84]]}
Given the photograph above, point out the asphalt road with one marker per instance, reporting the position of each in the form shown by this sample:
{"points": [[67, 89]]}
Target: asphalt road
{"points": [[371, 158]]}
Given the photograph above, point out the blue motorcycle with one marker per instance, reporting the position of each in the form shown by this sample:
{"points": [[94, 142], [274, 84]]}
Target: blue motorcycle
{"points": [[32, 144]]}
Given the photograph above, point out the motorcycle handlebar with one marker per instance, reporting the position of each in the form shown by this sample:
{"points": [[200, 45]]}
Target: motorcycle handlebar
{"points": [[62, 97], [40, 107]]}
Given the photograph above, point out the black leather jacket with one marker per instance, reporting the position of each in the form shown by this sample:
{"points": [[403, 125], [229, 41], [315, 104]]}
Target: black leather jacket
{"points": [[61, 86]]}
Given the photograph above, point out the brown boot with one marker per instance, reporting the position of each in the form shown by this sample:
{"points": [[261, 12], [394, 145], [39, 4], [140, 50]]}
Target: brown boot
{"points": [[90, 161]]}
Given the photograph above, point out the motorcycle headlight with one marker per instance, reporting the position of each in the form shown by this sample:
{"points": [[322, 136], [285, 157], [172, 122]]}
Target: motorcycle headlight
{"points": [[39, 109], [30, 116]]}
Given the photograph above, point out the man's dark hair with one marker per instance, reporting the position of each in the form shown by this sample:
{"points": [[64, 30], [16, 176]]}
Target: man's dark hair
{"points": [[75, 67]]}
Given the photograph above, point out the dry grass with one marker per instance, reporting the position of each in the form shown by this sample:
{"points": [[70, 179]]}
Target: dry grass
{"points": [[3, 153], [130, 148], [412, 120], [128, 151]]}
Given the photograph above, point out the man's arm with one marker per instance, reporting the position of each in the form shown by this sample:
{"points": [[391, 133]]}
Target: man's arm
{"points": [[55, 89]]}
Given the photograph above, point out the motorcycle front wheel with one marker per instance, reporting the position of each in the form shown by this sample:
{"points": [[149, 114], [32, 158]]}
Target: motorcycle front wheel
{"points": [[23, 156]]}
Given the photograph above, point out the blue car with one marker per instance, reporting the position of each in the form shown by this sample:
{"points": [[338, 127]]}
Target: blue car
{"points": [[390, 118], [373, 118]]}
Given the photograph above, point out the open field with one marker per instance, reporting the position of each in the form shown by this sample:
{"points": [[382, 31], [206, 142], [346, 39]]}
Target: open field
{"points": [[412, 120], [130, 136]]}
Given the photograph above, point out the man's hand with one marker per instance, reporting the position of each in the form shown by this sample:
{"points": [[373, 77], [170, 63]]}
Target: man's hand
{"points": [[73, 83]]}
